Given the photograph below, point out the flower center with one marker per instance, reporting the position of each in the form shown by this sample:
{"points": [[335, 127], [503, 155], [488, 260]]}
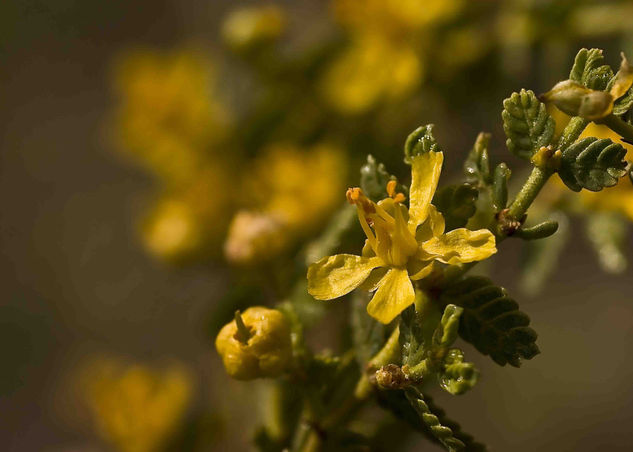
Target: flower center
{"points": [[385, 225]]}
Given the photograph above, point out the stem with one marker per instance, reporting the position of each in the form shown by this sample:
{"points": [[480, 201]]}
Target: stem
{"points": [[387, 353], [572, 131], [528, 192], [622, 128]]}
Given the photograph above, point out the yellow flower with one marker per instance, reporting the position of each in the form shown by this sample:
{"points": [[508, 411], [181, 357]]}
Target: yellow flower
{"points": [[402, 245], [136, 407], [256, 344]]}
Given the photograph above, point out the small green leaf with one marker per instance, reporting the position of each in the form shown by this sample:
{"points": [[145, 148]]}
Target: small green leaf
{"points": [[398, 404], [457, 203], [608, 234], [373, 180], [447, 330], [477, 164], [593, 164], [500, 186], [492, 321], [589, 71], [457, 376], [444, 434], [420, 141], [526, 123], [539, 231]]}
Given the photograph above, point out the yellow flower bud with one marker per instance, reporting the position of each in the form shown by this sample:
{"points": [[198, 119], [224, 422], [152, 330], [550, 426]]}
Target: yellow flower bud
{"points": [[256, 344]]}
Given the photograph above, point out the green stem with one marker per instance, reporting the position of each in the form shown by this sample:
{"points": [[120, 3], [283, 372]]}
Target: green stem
{"points": [[572, 131], [622, 128], [388, 353], [528, 192]]}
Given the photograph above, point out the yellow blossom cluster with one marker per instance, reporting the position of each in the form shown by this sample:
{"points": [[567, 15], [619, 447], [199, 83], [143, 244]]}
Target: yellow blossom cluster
{"points": [[170, 121], [288, 192], [384, 60]]}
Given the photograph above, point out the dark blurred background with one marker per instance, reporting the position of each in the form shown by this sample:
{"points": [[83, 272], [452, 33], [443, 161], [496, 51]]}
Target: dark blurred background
{"points": [[76, 280]]}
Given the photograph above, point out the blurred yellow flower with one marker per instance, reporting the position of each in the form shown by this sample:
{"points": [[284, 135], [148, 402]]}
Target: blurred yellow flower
{"points": [[299, 186], [168, 114], [250, 26], [288, 192], [384, 60], [394, 15], [136, 407], [371, 69], [191, 220]]}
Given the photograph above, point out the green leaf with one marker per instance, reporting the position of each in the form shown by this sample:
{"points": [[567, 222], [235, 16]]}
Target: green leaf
{"points": [[500, 186], [373, 180], [492, 321], [539, 231], [444, 434], [397, 403], [457, 203], [447, 330], [526, 123], [477, 164], [589, 71], [593, 164], [608, 233], [457, 376], [420, 141]]}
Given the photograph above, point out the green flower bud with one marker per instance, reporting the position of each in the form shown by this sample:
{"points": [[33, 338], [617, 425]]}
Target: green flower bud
{"points": [[256, 344], [576, 100]]}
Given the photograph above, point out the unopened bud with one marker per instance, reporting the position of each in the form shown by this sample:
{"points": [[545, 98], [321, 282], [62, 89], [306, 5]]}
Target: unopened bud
{"points": [[256, 344], [577, 100], [254, 237], [420, 141], [391, 377]]}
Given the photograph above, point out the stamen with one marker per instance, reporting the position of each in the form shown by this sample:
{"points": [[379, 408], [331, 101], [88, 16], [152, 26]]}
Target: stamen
{"points": [[391, 188], [391, 191]]}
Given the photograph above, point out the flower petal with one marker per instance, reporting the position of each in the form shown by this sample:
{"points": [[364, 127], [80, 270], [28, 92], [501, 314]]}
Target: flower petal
{"points": [[461, 245], [334, 276], [395, 293], [420, 269], [425, 173], [372, 282], [432, 227]]}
